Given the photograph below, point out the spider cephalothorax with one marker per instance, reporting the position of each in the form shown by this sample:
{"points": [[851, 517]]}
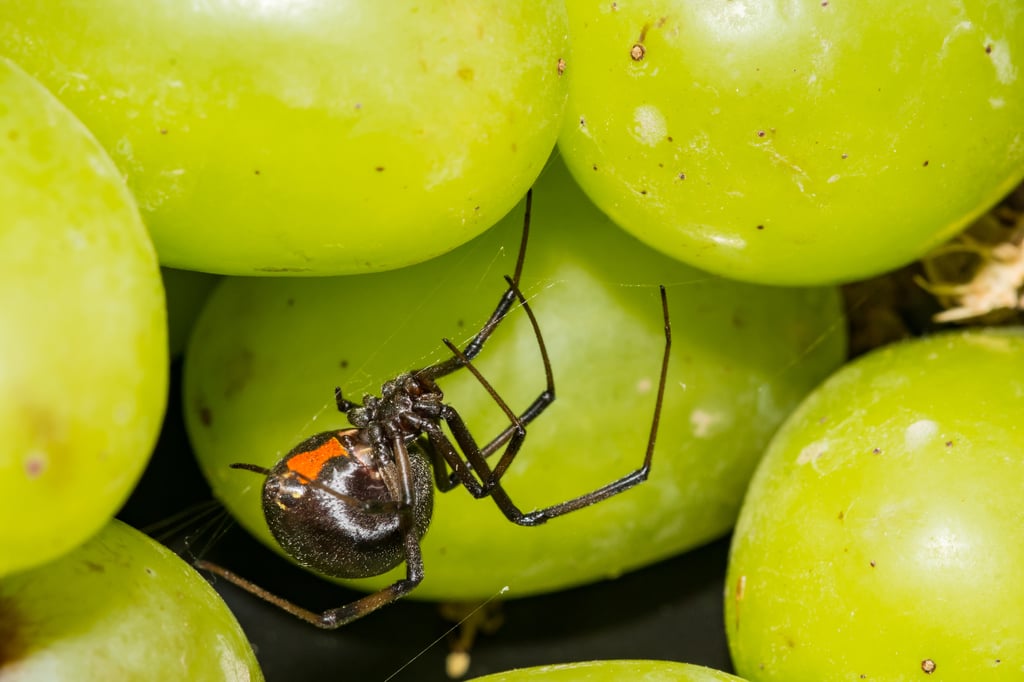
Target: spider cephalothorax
{"points": [[402, 405]]}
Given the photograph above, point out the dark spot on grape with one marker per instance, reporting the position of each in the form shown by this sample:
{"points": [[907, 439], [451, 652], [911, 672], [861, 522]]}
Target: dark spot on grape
{"points": [[465, 73], [661, 165], [256, 172], [682, 176], [595, 166], [925, 164], [343, 364], [561, 66], [842, 156], [661, 22], [358, 106], [150, 571], [760, 133], [842, 515], [460, 323], [876, 451], [760, 227], [379, 169], [94, 567], [273, 268], [928, 666], [949, 443], [615, 6], [205, 415], [13, 646], [476, 208], [790, 643], [637, 52], [644, 192], [163, 131], [583, 123], [988, 48], [872, 562]]}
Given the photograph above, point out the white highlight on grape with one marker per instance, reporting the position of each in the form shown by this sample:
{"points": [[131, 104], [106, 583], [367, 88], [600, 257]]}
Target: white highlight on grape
{"points": [[945, 548], [1002, 60], [705, 423], [124, 412], [76, 239], [811, 453], [730, 241], [270, 8], [919, 433], [962, 28], [232, 666], [650, 128]]}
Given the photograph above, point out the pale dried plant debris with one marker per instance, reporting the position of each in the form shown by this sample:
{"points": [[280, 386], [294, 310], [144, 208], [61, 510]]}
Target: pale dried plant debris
{"points": [[472, 618], [980, 273]]}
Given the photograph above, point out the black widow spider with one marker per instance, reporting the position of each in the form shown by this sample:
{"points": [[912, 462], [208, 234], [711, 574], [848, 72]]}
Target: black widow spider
{"points": [[355, 502]]}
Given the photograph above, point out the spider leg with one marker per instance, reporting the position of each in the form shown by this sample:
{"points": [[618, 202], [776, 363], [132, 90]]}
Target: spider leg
{"points": [[336, 617], [505, 303], [490, 485], [344, 405], [540, 403], [512, 436], [475, 456], [444, 480], [443, 452]]}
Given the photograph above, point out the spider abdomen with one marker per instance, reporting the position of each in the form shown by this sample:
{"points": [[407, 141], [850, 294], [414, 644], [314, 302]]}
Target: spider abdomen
{"points": [[333, 510]]}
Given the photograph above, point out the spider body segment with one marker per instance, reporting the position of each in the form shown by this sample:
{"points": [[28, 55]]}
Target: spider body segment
{"points": [[335, 510], [356, 502]]}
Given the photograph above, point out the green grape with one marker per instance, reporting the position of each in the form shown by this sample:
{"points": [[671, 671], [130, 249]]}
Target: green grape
{"points": [[313, 138], [795, 142], [119, 607], [266, 354], [880, 536], [613, 671], [83, 333]]}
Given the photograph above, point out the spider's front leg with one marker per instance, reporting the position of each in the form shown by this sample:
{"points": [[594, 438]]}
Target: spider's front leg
{"points": [[491, 485], [344, 405]]}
